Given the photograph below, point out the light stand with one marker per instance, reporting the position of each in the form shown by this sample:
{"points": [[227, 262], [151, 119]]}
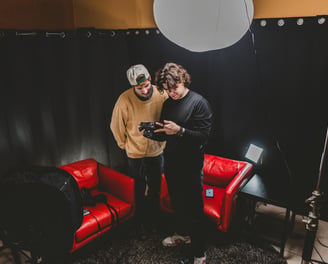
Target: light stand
{"points": [[311, 222]]}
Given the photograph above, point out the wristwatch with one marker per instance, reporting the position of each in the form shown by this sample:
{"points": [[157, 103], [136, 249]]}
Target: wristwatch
{"points": [[180, 132]]}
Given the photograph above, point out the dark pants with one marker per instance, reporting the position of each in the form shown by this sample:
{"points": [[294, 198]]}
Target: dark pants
{"points": [[147, 174], [185, 186]]}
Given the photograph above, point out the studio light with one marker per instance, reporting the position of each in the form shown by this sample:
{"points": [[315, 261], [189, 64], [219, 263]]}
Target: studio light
{"points": [[203, 25], [254, 153]]}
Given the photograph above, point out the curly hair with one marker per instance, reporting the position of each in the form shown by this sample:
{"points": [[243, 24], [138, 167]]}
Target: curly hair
{"points": [[171, 74]]}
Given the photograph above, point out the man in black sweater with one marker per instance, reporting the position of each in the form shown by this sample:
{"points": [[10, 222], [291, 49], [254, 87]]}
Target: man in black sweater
{"points": [[187, 121]]}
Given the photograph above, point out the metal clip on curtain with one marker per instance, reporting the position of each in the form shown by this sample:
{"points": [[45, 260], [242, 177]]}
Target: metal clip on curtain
{"points": [[60, 34], [26, 33]]}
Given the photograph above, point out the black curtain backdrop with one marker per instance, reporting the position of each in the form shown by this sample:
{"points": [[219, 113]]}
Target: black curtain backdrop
{"points": [[58, 92]]}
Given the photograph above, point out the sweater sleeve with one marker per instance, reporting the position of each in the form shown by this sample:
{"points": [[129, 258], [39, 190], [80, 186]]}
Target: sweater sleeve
{"points": [[119, 121], [202, 123]]}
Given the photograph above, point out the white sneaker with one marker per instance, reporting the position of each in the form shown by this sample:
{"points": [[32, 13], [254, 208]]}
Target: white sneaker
{"points": [[201, 260], [176, 239]]}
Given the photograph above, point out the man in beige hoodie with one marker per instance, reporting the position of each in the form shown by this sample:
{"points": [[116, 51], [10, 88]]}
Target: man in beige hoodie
{"points": [[140, 103]]}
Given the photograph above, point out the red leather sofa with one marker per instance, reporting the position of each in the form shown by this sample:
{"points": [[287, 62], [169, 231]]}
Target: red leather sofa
{"points": [[118, 190], [222, 179]]}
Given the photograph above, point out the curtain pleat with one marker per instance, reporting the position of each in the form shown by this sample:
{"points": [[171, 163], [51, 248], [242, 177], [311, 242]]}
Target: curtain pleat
{"points": [[58, 92]]}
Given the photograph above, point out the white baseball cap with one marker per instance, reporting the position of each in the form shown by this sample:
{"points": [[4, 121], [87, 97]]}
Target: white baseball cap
{"points": [[135, 71]]}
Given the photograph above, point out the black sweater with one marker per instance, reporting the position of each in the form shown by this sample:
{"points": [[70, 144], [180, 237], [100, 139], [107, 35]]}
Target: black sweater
{"points": [[194, 114]]}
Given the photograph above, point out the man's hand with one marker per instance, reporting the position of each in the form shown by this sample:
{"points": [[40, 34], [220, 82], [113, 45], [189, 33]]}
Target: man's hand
{"points": [[141, 130], [169, 127]]}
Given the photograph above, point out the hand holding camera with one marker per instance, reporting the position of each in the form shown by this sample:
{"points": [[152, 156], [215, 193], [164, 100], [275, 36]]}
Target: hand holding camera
{"points": [[148, 129], [170, 128]]}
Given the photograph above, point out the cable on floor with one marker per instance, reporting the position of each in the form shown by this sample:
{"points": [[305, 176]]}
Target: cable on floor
{"points": [[322, 244]]}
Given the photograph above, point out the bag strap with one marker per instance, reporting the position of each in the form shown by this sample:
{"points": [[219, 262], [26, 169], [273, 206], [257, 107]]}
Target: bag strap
{"points": [[114, 214]]}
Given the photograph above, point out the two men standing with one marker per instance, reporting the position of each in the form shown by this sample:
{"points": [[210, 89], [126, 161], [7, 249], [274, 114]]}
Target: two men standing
{"points": [[186, 120]]}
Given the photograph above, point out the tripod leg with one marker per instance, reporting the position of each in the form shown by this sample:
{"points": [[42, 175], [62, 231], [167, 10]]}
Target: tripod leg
{"points": [[308, 246], [285, 232]]}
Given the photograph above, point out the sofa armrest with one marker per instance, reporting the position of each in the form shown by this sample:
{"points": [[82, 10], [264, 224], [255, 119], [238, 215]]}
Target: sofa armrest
{"points": [[164, 191], [234, 186], [116, 183]]}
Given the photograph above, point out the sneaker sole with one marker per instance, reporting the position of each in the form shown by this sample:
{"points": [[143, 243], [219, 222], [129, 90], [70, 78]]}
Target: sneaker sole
{"points": [[176, 244]]}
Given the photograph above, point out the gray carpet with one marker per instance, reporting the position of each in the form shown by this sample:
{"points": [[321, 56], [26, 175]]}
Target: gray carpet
{"points": [[127, 244]]}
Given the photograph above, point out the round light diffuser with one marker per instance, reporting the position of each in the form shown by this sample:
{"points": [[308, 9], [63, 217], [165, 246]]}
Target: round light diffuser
{"points": [[203, 25]]}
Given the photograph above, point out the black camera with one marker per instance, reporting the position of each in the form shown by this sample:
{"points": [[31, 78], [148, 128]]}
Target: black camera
{"points": [[149, 128]]}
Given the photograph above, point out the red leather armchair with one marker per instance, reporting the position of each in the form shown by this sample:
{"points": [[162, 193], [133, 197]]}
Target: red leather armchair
{"points": [[118, 190], [222, 179]]}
